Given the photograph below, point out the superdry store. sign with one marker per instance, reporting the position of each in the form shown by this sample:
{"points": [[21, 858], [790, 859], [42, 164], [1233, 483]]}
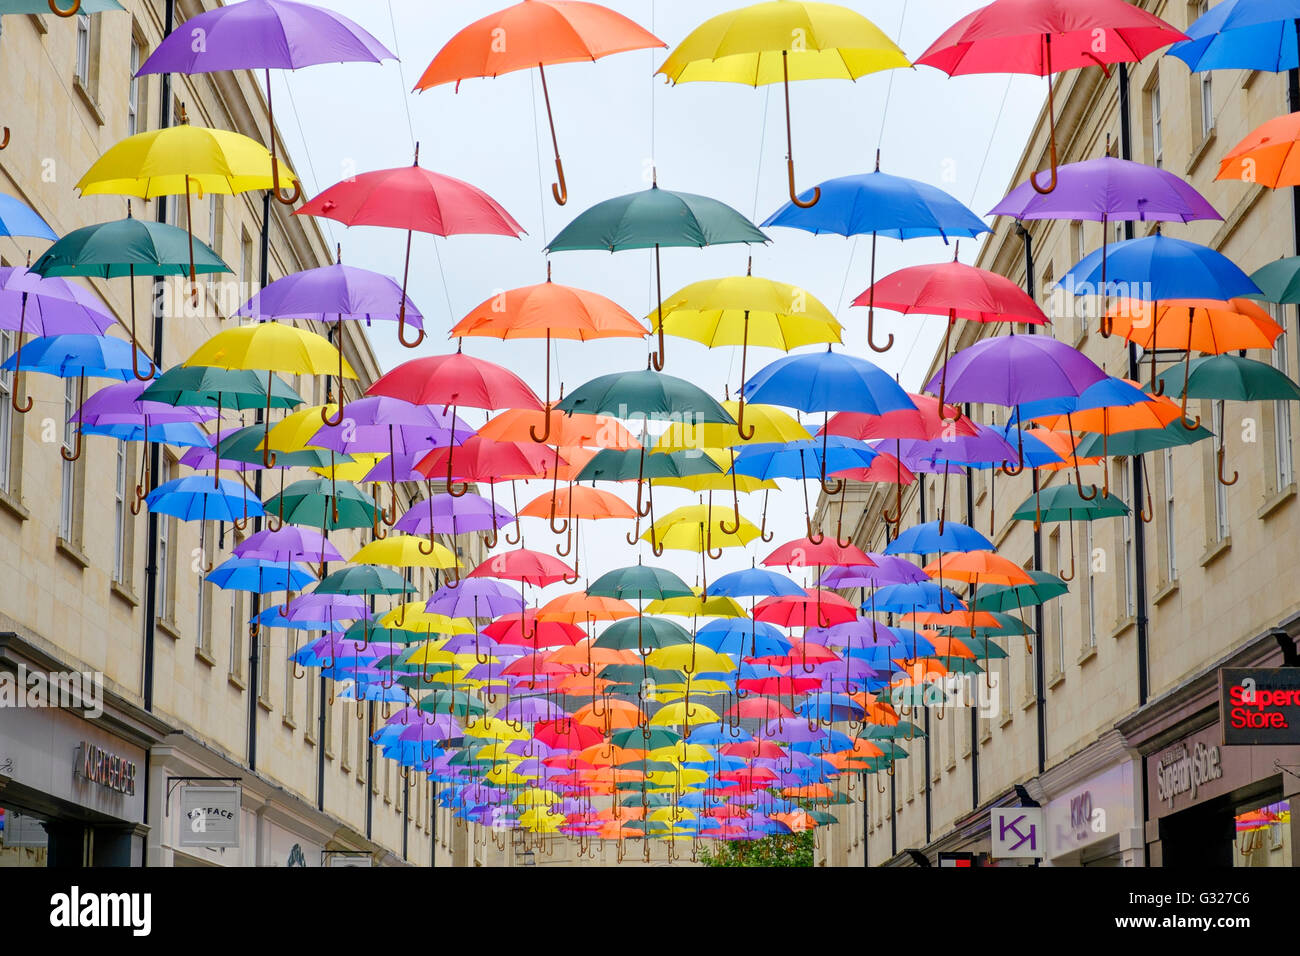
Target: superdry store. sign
{"points": [[1259, 705]]}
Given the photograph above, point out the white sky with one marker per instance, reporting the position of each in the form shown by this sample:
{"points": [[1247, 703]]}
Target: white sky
{"points": [[615, 120]]}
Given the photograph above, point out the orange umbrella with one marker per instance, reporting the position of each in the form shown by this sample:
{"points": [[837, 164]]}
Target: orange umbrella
{"points": [[809, 791], [951, 647], [957, 618], [609, 715], [1207, 325], [577, 430], [532, 34], [1267, 155], [545, 311], [577, 607], [577, 503], [975, 566]]}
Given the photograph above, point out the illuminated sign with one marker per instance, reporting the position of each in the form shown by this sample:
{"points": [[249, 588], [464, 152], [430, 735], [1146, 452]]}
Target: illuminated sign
{"points": [[110, 771], [1259, 705]]}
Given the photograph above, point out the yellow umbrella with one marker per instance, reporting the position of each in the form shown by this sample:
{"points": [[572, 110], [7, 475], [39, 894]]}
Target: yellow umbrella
{"points": [[740, 310], [691, 659], [714, 481], [696, 606], [494, 727], [270, 346], [180, 160], [683, 714], [683, 752], [535, 796], [403, 551], [416, 618], [696, 528], [356, 469], [296, 430], [779, 41], [667, 693]]}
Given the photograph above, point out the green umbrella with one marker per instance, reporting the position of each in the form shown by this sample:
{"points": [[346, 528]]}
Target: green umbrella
{"points": [[983, 647], [1008, 626], [364, 579], [71, 9], [646, 393], [127, 247], [878, 732], [1278, 281], [655, 218], [457, 703], [631, 675], [652, 739], [1140, 441], [221, 388], [246, 445], [1045, 587], [323, 503], [1066, 503], [1224, 377], [639, 582], [642, 633]]}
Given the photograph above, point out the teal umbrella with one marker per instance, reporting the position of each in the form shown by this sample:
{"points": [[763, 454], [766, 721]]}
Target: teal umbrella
{"points": [[1224, 377], [1142, 440], [324, 503], [1279, 281], [646, 393], [639, 582], [1066, 503], [615, 464], [642, 633], [38, 7], [1045, 587], [652, 219], [128, 247]]}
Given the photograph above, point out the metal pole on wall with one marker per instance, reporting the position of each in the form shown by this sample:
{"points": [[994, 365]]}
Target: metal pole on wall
{"points": [[155, 451], [254, 641]]}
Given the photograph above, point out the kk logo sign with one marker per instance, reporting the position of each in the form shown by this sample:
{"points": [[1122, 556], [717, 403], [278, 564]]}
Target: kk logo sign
{"points": [[1017, 832]]}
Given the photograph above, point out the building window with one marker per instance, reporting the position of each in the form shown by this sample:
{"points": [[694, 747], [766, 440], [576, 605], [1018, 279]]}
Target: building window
{"points": [[1058, 609], [1171, 539], [166, 552], [70, 490], [345, 742], [264, 665], [1220, 490], [83, 51], [203, 612], [1157, 123], [237, 625], [289, 685], [1091, 584], [246, 265], [1126, 544], [1205, 85], [309, 712], [1283, 449], [7, 455], [133, 99], [123, 526]]}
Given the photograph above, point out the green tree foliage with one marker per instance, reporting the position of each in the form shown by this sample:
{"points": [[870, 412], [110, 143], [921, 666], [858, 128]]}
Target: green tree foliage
{"points": [[786, 850]]}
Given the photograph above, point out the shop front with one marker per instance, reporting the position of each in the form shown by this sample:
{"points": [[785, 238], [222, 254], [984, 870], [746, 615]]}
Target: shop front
{"points": [[1092, 809], [73, 764], [1212, 800]]}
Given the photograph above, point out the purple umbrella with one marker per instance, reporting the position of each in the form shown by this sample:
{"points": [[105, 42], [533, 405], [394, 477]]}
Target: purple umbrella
{"points": [[441, 727], [447, 514], [888, 569], [201, 459], [1010, 369], [474, 597], [289, 543], [1109, 190], [860, 633], [531, 710], [373, 421], [265, 35]]}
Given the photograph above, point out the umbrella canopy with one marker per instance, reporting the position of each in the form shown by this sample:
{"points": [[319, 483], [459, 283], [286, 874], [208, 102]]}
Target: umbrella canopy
{"points": [[1242, 34]]}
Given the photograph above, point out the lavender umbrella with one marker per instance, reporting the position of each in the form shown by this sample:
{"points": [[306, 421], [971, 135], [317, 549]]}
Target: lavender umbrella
{"points": [[530, 710], [378, 423], [447, 514], [888, 569], [475, 598], [1109, 190], [265, 35]]}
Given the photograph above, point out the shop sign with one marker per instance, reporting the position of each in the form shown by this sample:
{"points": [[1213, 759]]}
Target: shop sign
{"points": [[1259, 705], [1185, 768], [108, 770], [210, 816], [1017, 832]]}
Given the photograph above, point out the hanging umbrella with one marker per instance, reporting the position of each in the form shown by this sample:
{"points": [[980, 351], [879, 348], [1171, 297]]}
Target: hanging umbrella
{"points": [[540, 32], [1267, 155], [185, 160], [335, 292], [527, 567], [1279, 281], [696, 528], [958, 291], [1242, 34], [577, 503], [416, 200], [805, 460], [1109, 190], [780, 41], [744, 309], [881, 205], [79, 357], [655, 218], [454, 381], [128, 247], [1025, 36], [1065, 503], [322, 503], [545, 311], [193, 498], [264, 35]]}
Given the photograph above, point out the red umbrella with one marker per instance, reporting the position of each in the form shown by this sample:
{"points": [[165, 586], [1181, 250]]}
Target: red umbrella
{"points": [[525, 566], [453, 381], [802, 553], [1028, 36], [479, 459], [527, 631], [417, 200], [764, 708], [566, 734], [817, 608]]}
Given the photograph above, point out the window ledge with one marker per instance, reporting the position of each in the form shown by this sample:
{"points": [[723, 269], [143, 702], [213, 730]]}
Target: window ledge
{"points": [[1055, 679], [1168, 589], [71, 552], [1248, 80], [1122, 627], [170, 628], [1028, 702], [1199, 152], [203, 655], [329, 753], [39, 23], [950, 766], [289, 722], [236, 681], [264, 704], [309, 738], [124, 593], [986, 735], [1087, 654], [14, 506], [1006, 719], [1215, 550], [1277, 501], [88, 99]]}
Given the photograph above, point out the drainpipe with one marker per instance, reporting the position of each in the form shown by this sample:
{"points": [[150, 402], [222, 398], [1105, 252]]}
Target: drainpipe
{"points": [[1040, 697], [1293, 105], [155, 451], [1139, 526], [893, 815], [254, 642], [974, 711], [370, 771], [406, 817]]}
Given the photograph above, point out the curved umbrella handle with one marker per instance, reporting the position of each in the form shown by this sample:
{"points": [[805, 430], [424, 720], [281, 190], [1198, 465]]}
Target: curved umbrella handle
{"points": [[65, 12], [76, 453], [1051, 115], [376, 519], [889, 343], [794, 195], [839, 523], [560, 190], [337, 418], [290, 199], [740, 422], [1067, 577], [135, 363], [432, 545], [489, 540], [763, 533], [816, 538], [1223, 481]]}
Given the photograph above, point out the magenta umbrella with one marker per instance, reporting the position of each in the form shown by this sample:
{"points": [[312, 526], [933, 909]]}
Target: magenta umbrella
{"points": [[264, 35]]}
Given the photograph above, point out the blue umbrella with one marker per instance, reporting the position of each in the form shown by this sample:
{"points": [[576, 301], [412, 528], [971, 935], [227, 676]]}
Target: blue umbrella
{"points": [[881, 205], [930, 538], [753, 582], [1242, 35], [796, 459], [1157, 267], [19, 219], [739, 637], [193, 498], [258, 576], [1110, 392], [919, 596]]}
